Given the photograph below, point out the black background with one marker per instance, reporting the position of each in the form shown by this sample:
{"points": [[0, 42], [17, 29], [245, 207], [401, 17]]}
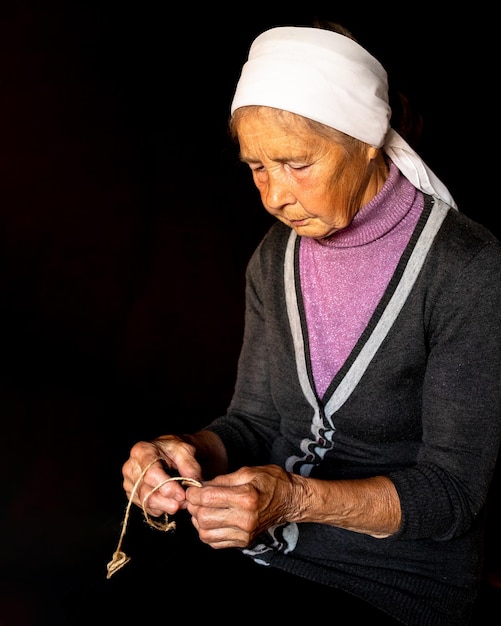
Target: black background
{"points": [[125, 226]]}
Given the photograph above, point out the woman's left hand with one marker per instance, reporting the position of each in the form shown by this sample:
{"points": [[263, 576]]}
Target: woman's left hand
{"points": [[230, 511]]}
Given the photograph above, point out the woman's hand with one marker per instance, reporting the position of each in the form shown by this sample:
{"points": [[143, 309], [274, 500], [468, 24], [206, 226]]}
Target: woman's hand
{"points": [[150, 466], [232, 510]]}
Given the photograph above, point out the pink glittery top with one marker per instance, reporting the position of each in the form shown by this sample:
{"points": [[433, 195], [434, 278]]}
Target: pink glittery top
{"points": [[344, 276]]}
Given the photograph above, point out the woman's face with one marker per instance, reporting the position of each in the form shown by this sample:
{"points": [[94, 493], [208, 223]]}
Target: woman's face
{"points": [[307, 181]]}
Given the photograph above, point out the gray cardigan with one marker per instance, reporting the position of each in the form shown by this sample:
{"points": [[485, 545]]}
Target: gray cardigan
{"points": [[418, 400]]}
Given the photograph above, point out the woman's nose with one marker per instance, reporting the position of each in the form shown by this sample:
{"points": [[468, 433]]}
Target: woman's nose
{"points": [[278, 192]]}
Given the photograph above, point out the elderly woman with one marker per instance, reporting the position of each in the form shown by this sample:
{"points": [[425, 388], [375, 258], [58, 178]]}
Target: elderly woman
{"points": [[357, 452]]}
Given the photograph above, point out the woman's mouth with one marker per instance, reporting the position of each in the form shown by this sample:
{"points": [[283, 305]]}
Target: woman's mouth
{"points": [[301, 222]]}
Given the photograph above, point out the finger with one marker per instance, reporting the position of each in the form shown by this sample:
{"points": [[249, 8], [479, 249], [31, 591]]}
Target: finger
{"points": [[154, 490], [180, 455], [169, 494], [220, 497], [218, 538]]}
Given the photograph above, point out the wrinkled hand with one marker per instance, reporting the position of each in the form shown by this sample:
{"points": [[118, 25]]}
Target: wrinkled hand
{"points": [[232, 510], [176, 456]]}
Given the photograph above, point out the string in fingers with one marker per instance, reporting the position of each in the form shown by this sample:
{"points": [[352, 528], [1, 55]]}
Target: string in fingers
{"points": [[119, 558]]}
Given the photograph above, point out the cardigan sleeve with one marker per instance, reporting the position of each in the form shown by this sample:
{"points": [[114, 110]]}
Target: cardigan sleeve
{"points": [[461, 407], [252, 421]]}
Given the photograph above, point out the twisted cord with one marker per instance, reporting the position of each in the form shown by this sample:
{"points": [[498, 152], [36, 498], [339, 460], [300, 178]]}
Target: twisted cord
{"points": [[119, 557]]}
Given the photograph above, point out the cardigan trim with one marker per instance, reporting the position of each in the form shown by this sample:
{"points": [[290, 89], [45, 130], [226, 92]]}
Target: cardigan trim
{"points": [[323, 438]]}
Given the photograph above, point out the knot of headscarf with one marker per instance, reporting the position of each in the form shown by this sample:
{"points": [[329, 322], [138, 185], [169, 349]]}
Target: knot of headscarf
{"points": [[330, 78]]}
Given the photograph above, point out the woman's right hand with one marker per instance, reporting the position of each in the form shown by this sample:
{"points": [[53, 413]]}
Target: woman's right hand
{"points": [[147, 471]]}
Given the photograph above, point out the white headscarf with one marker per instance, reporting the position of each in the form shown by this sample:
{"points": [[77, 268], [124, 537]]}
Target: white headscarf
{"points": [[329, 78]]}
